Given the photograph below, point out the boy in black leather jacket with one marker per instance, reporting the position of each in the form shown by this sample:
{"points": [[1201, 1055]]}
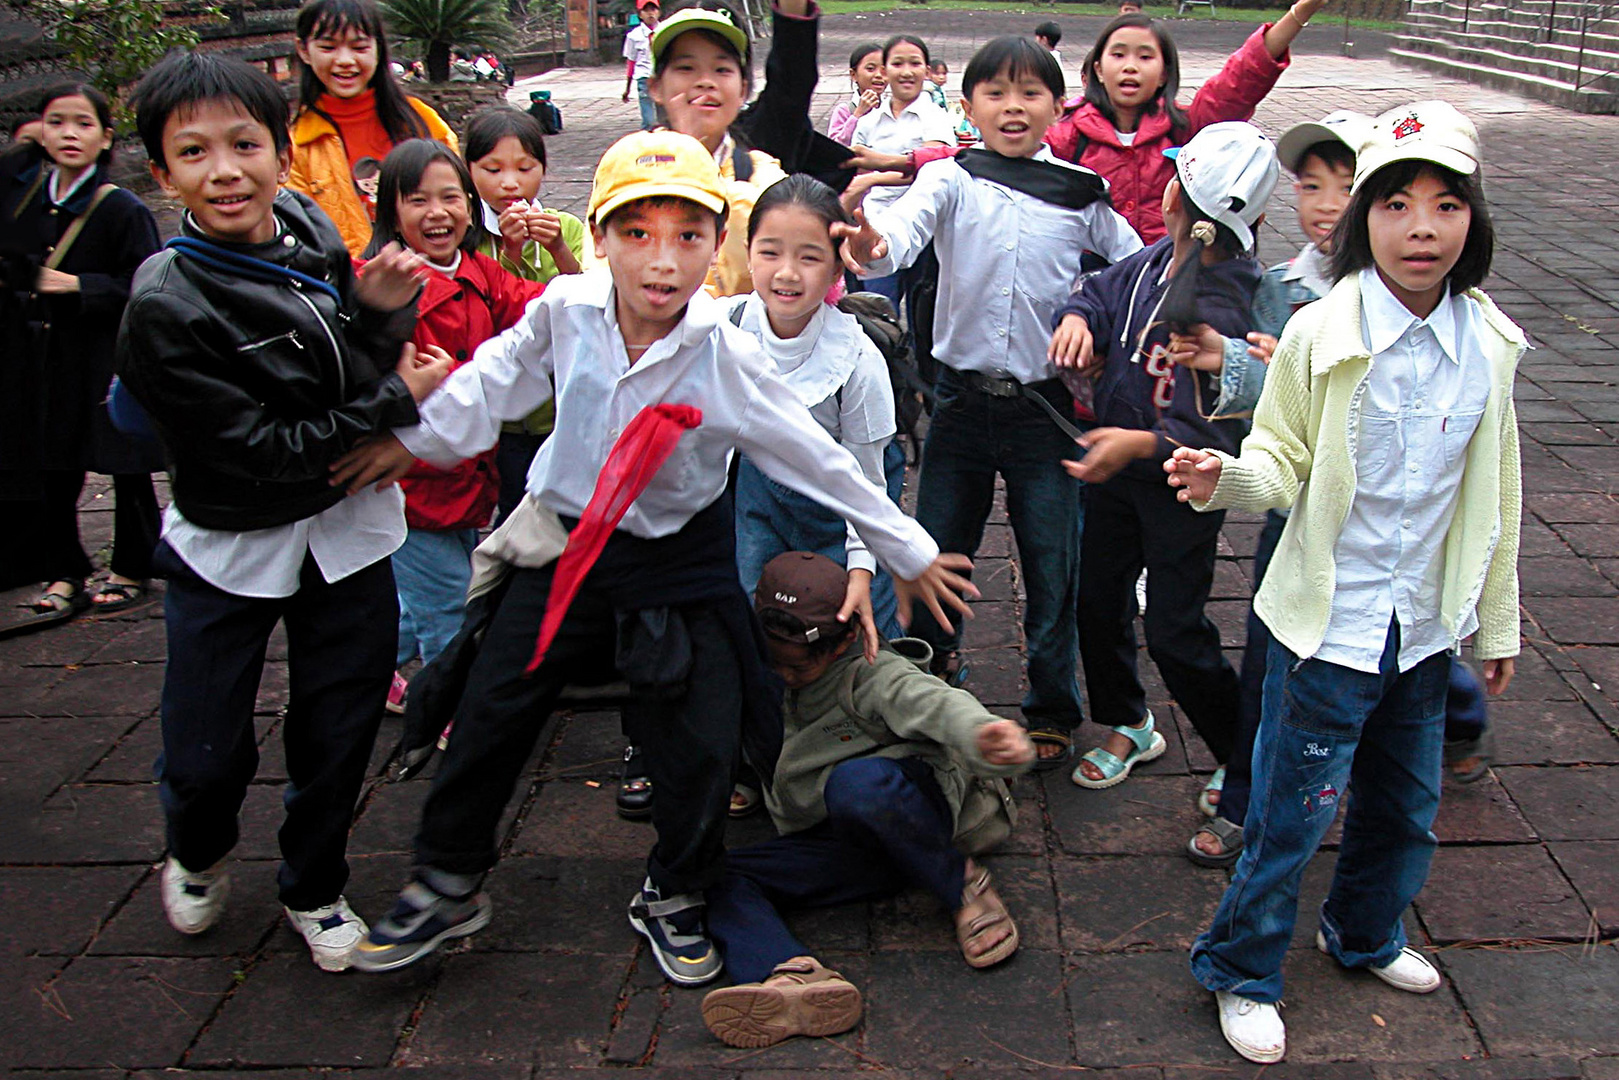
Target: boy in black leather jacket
{"points": [[261, 359]]}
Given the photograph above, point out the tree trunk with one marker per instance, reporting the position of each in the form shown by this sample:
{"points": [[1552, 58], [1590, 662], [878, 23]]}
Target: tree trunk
{"points": [[438, 61]]}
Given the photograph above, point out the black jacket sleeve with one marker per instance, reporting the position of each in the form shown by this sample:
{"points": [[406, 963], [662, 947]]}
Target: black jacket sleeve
{"points": [[778, 122]]}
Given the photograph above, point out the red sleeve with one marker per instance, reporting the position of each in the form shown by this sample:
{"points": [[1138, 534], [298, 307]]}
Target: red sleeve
{"points": [[924, 154], [629, 69], [1241, 84], [509, 295], [1063, 138]]}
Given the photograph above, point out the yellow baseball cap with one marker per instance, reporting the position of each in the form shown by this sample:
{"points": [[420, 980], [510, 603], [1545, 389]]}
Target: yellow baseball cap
{"points": [[647, 164], [717, 22]]}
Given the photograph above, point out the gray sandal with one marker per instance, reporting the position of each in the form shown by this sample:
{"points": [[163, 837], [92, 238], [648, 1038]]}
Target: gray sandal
{"points": [[1230, 836]]}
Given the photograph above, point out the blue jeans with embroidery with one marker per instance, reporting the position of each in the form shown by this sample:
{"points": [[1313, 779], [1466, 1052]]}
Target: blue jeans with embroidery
{"points": [[772, 519], [1325, 729]]}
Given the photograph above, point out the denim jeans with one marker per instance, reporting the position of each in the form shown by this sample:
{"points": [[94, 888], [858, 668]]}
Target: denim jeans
{"points": [[432, 570], [887, 828], [1325, 729], [772, 519], [649, 108], [974, 436]]}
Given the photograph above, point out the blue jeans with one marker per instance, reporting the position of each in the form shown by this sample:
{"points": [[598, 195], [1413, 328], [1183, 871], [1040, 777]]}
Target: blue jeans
{"points": [[772, 519], [974, 436], [1326, 728], [649, 108], [887, 828], [431, 571]]}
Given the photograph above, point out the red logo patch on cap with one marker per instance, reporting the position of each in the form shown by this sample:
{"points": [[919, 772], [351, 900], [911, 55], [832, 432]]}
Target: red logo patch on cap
{"points": [[1407, 127]]}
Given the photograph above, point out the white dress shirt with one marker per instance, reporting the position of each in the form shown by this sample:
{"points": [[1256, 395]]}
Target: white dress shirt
{"points": [[265, 563], [638, 49], [922, 121], [1420, 403], [571, 334], [836, 372], [1007, 262]]}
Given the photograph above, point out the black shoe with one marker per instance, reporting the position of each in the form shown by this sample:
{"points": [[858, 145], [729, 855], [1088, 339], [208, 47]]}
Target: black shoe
{"points": [[421, 921], [635, 787], [679, 939]]}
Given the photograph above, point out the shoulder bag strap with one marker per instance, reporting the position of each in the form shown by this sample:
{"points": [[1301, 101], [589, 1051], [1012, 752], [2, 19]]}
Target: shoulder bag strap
{"points": [[73, 230]]}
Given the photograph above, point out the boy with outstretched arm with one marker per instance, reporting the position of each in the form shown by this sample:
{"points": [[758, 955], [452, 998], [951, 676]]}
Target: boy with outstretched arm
{"points": [[260, 360], [888, 779], [655, 391], [1009, 223]]}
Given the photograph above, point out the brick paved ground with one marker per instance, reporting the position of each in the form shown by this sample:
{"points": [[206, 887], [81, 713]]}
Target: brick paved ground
{"points": [[96, 983]]}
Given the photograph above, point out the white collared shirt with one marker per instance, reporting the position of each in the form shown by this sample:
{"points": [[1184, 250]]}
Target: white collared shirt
{"points": [[1418, 408], [1007, 262], [1309, 267], [922, 121], [58, 197], [638, 49], [266, 563], [571, 334]]}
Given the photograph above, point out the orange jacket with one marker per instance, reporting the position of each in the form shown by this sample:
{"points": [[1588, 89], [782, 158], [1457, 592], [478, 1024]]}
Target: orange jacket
{"points": [[320, 169]]}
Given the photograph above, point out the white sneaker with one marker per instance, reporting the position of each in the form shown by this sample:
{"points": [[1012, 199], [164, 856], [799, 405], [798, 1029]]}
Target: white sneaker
{"points": [[1410, 971], [332, 932], [1253, 1028], [193, 902]]}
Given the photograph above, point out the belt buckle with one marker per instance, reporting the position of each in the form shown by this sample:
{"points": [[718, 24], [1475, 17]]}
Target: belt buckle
{"points": [[1001, 388]]}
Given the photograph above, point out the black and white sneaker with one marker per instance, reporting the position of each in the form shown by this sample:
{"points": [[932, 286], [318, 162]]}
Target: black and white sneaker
{"points": [[193, 902], [421, 921], [331, 931], [677, 933]]}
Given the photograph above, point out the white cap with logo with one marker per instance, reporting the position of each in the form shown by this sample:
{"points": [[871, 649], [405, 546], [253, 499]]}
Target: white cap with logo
{"points": [[1228, 170], [1421, 131]]}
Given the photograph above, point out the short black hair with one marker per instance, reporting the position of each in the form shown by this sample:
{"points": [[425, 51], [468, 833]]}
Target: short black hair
{"points": [[185, 80], [1351, 237], [1096, 93], [98, 102], [401, 174], [863, 50], [1050, 31], [489, 126], [1017, 57], [1334, 154]]}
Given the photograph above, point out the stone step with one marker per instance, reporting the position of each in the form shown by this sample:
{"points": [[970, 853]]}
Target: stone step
{"points": [[1557, 92], [1523, 19], [1557, 62], [1605, 39]]}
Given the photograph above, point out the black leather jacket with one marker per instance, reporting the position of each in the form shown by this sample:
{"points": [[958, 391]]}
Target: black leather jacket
{"points": [[256, 388]]}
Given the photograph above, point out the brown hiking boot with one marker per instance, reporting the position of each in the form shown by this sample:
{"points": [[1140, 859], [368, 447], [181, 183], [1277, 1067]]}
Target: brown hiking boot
{"points": [[800, 998]]}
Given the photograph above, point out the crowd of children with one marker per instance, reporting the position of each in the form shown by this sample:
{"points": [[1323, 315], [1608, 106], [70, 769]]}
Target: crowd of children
{"points": [[366, 347]]}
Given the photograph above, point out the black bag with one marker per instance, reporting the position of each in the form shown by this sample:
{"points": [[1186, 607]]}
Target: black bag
{"points": [[549, 116], [913, 395], [920, 301]]}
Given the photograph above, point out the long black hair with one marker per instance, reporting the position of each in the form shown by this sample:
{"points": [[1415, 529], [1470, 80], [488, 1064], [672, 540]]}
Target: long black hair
{"points": [[1179, 306], [320, 18], [488, 126], [1351, 237], [1096, 93], [98, 102], [401, 175]]}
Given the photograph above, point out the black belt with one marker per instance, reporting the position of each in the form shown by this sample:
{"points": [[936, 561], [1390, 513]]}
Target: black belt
{"points": [[1011, 388]]}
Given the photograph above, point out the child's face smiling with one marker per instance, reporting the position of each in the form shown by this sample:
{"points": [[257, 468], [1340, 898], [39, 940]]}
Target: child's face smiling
{"points": [[1131, 68], [72, 134], [222, 163], [659, 253], [507, 174], [701, 87], [343, 60], [433, 219], [793, 265], [1417, 234], [905, 71], [868, 74], [1012, 115], [1323, 193]]}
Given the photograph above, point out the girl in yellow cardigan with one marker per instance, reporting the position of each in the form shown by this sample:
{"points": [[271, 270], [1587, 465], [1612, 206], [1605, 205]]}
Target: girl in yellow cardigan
{"points": [[1387, 424], [351, 113]]}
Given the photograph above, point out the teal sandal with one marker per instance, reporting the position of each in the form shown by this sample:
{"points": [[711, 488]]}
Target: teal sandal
{"points": [[1215, 785], [1148, 745]]}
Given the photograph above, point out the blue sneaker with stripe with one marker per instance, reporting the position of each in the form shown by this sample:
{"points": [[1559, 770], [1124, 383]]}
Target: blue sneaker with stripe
{"points": [[422, 919], [674, 927]]}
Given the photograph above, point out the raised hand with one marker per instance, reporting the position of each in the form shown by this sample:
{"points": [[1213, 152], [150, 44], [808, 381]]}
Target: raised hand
{"points": [[513, 223], [861, 242], [1194, 473], [941, 583], [857, 601], [868, 100], [391, 279]]}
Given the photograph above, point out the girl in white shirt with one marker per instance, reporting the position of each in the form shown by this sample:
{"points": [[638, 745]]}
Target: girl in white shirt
{"points": [[832, 368]]}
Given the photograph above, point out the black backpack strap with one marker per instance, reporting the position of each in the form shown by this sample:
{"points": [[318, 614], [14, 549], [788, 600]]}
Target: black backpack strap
{"points": [[741, 160], [736, 314]]}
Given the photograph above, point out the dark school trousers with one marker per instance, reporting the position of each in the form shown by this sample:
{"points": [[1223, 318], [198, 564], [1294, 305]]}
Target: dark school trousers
{"points": [[135, 524], [1130, 524], [690, 742], [887, 828], [340, 661]]}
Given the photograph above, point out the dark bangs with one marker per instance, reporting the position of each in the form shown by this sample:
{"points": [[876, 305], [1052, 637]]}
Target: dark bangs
{"points": [[401, 175], [1351, 238], [1096, 93], [327, 18], [1016, 58]]}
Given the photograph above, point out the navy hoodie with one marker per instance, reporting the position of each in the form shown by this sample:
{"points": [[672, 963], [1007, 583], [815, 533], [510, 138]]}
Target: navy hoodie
{"points": [[1141, 388]]}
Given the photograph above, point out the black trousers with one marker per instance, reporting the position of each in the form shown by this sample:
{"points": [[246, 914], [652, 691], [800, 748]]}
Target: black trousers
{"points": [[1130, 523], [135, 524], [340, 661], [690, 741]]}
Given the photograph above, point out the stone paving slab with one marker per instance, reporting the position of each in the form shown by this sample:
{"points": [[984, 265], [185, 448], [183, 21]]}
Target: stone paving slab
{"points": [[94, 983]]}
